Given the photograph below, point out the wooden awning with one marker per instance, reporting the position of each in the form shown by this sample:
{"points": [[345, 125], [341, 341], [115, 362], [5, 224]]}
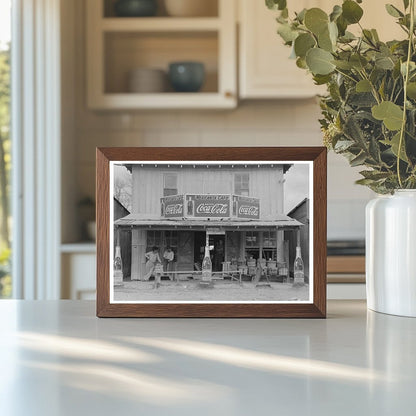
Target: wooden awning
{"points": [[134, 220]]}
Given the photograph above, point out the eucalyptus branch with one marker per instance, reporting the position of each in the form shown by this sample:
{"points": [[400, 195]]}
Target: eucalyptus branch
{"points": [[346, 75], [373, 88], [406, 80]]}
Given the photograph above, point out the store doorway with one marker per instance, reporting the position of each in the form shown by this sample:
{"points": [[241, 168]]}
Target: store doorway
{"points": [[199, 249], [217, 253]]}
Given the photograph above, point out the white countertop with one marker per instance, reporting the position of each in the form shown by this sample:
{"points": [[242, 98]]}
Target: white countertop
{"points": [[57, 358]]}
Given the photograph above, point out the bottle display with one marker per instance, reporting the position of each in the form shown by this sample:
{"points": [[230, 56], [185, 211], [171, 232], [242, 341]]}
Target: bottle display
{"points": [[298, 269], [118, 267], [207, 266]]}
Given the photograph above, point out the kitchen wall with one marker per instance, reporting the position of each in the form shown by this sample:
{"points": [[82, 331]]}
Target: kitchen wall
{"points": [[253, 123]]}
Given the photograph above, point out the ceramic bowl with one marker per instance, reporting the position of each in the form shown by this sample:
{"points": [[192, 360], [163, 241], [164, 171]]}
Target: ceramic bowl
{"points": [[147, 80], [92, 230], [135, 8], [186, 76], [191, 8]]}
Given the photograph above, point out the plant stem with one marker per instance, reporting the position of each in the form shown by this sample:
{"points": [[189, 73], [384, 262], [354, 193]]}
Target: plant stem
{"points": [[406, 80]]}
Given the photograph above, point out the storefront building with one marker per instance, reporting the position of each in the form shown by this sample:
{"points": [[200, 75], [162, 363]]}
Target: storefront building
{"points": [[239, 208]]}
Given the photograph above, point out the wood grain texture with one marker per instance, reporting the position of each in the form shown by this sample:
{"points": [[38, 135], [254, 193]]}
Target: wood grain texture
{"points": [[346, 264], [317, 309]]}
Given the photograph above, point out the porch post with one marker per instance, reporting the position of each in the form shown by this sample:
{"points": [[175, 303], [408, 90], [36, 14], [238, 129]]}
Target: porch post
{"points": [[135, 261], [280, 257]]}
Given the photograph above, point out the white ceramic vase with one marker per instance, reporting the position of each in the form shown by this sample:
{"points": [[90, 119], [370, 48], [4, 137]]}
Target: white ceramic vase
{"points": [[391, 253]]}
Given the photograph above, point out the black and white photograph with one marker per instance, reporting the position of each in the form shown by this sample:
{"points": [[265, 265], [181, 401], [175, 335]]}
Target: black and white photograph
{"points": [[211, 232]]}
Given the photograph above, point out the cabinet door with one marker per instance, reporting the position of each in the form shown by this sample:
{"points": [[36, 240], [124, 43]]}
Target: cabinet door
{"points": [[265, 68]]}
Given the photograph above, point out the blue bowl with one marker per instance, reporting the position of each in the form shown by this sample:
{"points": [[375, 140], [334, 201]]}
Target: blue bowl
{"points": [[135, 8], [186, 76]]}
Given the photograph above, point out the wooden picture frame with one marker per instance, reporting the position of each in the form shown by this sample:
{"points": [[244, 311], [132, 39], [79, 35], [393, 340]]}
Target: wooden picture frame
{"points": [[272, 158]]}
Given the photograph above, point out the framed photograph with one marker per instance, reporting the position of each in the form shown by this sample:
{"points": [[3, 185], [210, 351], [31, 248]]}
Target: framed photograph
{"points": [[211, 232]]}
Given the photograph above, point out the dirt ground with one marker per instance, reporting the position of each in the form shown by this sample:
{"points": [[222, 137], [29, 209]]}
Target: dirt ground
{"points": [[221, 291]]}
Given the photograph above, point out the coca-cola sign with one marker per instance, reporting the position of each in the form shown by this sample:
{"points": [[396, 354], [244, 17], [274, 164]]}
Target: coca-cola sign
{"points": [[172, 206], [245, 207], [217, 206]]}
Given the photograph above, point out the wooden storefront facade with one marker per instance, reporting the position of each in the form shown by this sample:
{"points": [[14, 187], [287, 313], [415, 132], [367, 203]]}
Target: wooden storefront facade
{"points": [[239, 207]]}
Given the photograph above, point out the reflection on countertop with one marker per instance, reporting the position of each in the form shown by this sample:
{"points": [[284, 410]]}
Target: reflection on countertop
{"points": [[355, 362]]}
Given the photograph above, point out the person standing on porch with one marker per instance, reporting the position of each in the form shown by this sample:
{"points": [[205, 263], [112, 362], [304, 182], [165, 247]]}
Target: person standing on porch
{"points": [[219, 256], [168, 257], [152, 258]]}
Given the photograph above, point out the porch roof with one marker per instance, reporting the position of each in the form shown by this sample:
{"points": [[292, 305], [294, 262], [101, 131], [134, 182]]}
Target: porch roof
{"points": [[283, 221]]}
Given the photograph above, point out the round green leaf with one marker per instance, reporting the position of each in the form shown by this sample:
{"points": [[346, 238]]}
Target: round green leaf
{"points": [[319, 61], [301, 63], [316, 20], [363, 86], [384, 62], [411, 90], [303, 43], [391, 114], [358, 61], [287, 33], [276, 4], [351, 11], [324, 41], [336, 12], [344, 65]]}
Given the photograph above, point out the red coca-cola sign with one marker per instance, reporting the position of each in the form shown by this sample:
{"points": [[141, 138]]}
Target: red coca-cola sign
{"points": [[216, 206], [172, 206], [245, 207]]}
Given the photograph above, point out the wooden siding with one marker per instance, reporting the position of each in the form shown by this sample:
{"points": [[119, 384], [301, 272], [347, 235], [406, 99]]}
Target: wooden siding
{"points": [[265, 184]]}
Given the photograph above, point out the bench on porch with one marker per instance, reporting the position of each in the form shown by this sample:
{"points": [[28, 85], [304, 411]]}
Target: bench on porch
{"points": [[196, 273]]}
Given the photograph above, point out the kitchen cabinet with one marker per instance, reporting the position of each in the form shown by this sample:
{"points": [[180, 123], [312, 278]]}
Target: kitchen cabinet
{"points": [[78, 263], [265, 70], [118, 45]]}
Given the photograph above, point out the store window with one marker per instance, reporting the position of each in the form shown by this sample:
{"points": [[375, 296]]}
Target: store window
{"points": [[170, 184], [162, 239], [261, 245], [171, 239], [252, 244], [269, 245], [154, 239], [242, 184]]}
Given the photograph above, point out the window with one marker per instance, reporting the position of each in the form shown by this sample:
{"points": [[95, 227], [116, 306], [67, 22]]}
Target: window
{"points": [[154, 238], [171, 239], [269, 245], [170, 184], [269, 238], [252, 239], [5, 144], [242, 184], [252, 245]]}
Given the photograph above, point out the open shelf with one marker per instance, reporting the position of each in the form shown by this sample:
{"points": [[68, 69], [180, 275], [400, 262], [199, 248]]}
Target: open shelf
{"points": [[119, 45], [126, 51], [167, 100], [160, 24], [210, 9]]}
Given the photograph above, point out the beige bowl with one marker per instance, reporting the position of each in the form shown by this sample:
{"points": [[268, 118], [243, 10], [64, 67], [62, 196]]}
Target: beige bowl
{"points": [[92, 230], [147, 80], [191, 8]]}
